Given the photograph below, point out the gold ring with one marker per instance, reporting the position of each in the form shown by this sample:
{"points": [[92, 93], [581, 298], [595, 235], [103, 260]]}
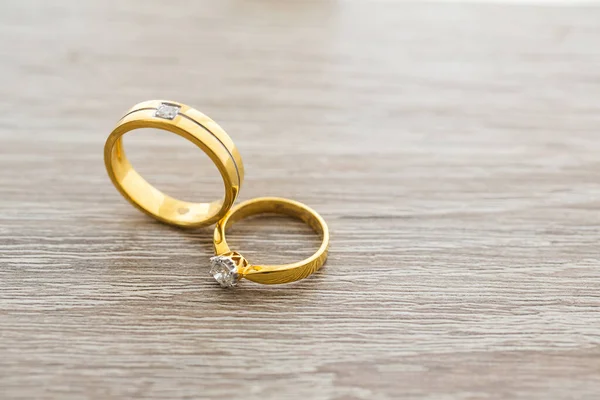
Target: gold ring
{"points": [[193, 126], [228, 267]]}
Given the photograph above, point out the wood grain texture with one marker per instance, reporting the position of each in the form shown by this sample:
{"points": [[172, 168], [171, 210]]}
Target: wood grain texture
{"points": [[453, 149]]}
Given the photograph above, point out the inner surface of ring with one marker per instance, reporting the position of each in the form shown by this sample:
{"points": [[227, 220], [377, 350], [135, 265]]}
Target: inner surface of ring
{"points": [[153, 200], [273, 207]]}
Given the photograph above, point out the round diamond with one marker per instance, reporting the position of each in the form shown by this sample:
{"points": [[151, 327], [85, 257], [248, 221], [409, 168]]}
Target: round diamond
{"points": [[224, 270]]}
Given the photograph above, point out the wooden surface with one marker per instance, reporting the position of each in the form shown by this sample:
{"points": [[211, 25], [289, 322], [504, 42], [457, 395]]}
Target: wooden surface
{"points": [[453, 149]]}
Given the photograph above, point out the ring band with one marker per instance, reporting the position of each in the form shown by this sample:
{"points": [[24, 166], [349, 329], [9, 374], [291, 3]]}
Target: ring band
{"points": [[197, 128], [228, 267]]}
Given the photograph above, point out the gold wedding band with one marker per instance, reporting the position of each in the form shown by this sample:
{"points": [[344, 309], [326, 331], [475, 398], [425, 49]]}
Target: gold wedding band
{"points": [[228, 267], [197, 128]]}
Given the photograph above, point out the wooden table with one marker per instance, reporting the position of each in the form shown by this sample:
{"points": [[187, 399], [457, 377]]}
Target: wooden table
{"points": [[453, 149]]}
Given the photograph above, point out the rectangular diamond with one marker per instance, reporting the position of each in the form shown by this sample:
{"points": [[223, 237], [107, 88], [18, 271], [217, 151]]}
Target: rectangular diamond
{"points": [[167, 111]]}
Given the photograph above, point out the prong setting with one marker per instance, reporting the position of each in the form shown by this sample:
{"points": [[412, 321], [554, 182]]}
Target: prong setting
{"points": [[225, 271]]}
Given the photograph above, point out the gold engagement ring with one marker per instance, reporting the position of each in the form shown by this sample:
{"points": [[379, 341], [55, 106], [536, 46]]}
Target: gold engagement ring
{"points": [[228, 267]]}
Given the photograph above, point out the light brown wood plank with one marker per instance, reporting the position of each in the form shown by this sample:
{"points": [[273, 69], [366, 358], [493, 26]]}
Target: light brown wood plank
{"points": [[453, 149]]}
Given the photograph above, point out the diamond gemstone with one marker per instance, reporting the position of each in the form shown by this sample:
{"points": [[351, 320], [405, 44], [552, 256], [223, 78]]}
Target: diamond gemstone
{"points": [[167, 111], [224, 270]]}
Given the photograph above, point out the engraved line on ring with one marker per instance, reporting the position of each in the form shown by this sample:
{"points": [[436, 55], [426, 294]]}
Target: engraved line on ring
{"points": [[237, 171], [222, 144]]}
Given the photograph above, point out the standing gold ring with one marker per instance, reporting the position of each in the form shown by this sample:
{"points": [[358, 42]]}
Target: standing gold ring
{"points": [[197, 128], [228, 267]]}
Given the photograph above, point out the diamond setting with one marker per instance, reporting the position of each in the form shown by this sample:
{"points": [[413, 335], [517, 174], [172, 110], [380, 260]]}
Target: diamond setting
{"points": [[224, 270], [167, 111]]}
